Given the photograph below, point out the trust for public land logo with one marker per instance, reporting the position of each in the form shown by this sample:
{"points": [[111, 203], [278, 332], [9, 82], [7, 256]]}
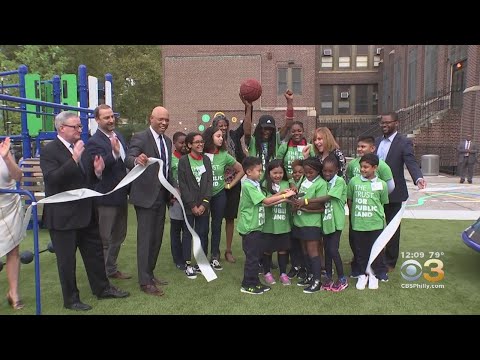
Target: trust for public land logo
{"points": [[431, 268]]}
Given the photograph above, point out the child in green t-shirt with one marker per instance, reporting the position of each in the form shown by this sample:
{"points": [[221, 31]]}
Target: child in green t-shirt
{"points": [[366, 145], [333, 222], [178, 228], [251, 220], [366, 195], [308, 225], [277, 227], [298, 252]]}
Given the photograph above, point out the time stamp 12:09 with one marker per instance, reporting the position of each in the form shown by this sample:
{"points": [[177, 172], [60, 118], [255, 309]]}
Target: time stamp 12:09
{"points": [[432, 269]]}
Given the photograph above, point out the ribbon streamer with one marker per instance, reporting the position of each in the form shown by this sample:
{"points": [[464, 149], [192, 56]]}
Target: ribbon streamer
{"points": [[84, 193], [385, 237]]}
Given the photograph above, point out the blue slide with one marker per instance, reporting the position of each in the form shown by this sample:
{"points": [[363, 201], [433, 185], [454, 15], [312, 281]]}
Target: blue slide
{"points": [[471, 236]]}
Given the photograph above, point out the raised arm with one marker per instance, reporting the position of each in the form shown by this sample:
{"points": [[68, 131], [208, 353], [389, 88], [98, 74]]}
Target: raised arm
{"points": [[247, 122], [14, 171], [289, 115]]}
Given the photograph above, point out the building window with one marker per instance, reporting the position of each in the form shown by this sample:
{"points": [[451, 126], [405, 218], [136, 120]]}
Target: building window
{"points": [[326, 100], [327, 62], [375, 99], [289, 78], [282, 81], [362, 56], [412, 76], [343, 100], [297, 81], [362, 61], [361, 99], [345, 53], [397, 84], [430, 78]]}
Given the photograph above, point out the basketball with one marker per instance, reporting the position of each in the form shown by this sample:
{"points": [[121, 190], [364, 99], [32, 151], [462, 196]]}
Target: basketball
{"points": [[251, 89]]}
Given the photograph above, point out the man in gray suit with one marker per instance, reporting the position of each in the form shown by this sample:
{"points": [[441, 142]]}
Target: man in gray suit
{"points": [[149, 197], [467, 157]]}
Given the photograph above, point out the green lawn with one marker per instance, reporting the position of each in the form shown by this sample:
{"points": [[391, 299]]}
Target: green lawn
{"points": [[222, 296]]}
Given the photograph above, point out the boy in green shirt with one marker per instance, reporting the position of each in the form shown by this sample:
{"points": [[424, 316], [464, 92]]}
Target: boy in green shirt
{"points": [[251, 220], [366, 145], [366, 195]]}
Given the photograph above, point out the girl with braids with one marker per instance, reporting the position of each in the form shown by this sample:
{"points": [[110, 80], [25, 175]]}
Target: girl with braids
{"points": [[232, 140], [276, 228]]}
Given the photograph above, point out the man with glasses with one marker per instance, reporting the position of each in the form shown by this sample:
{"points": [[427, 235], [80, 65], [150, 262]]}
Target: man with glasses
{"points": [[149, 196], [73, 224], [397, 151]]}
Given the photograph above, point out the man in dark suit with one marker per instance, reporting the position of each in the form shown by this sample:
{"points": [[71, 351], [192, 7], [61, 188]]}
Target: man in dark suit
{"points": [[73, 224], [467, 158], [112, 209], [150, 197], [396, 150]]}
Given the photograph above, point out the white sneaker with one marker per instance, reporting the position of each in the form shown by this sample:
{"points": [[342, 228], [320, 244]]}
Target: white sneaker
{"points": [[362, 282], [372, 282]]}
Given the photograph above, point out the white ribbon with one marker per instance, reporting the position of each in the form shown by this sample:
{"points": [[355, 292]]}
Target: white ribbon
{"points": [[77, 194], [385, 237]]}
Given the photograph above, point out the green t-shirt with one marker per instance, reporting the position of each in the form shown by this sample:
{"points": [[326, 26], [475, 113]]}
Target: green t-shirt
{"points": [[334, 215], [252, 211], [383, 170], [277, 217], [198, 168], [174, 163], [312, 189], [219, 162], [368, 198], [252, 149], [289, 153]]}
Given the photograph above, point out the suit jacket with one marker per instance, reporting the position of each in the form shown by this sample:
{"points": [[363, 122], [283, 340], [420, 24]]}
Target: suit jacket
{"points": [[145, 189], [472, 158], [400, 154], [61, 173], [114, 172]]}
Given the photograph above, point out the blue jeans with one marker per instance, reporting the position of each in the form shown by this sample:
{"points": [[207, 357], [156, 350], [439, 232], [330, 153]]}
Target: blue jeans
{"points": [[200, 225], [178, 235]]}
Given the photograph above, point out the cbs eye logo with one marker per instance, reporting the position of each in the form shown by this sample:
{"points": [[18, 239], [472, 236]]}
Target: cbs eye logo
{"points": [[412, 270]]}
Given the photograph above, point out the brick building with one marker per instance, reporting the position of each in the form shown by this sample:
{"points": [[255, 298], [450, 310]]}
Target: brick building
{"points": [[343, 87], [202, 80]]}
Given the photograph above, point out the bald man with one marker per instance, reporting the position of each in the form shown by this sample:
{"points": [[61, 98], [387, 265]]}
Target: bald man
{"points": [[149, 196]]}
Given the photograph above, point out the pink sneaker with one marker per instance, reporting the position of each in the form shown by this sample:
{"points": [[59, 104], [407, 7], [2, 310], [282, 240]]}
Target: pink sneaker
{"points": [[327, 285], [284, 279], [269, 278]]}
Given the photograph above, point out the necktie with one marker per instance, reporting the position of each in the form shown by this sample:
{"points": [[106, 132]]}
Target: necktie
{"points": [[80, 162], [163, 155]]}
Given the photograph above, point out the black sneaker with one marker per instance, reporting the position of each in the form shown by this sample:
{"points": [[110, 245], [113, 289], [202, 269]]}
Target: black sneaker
{"points": [[293, 272], [307, 281], [264, 288], [314, 287], [197, 269], [251, 290], [215, 264], [302, 274]]}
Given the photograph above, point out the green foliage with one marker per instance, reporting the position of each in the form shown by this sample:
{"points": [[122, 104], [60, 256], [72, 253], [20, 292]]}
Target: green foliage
{"points": [[136, 70]]}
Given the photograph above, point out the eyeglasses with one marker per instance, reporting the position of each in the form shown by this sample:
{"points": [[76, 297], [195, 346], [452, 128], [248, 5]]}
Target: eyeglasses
{"points": [[386, 122], [198, 142], [76, 127]]}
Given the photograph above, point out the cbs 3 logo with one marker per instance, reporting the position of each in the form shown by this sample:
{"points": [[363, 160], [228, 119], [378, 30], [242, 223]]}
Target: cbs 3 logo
{"points": [[411, 270]]}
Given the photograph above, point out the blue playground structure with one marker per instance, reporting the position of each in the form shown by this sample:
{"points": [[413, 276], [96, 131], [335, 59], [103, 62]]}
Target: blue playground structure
{"points": [[40, 101], [471, 236]]}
